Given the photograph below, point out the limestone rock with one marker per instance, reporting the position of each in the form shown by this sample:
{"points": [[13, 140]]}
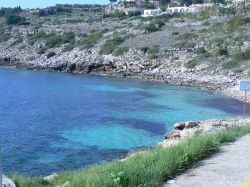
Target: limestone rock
{"points": [[51, 177], [191, 124], [172, 134], [7, 182]]}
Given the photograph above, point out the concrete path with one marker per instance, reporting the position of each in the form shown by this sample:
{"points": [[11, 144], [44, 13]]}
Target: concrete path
{"points": [[228, 168]]}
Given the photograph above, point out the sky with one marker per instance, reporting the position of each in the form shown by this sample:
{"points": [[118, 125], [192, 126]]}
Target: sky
{"points": [[46, 3]]}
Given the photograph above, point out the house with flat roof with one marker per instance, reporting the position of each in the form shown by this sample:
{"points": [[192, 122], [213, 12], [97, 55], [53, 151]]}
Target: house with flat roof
{"points": [[151, 12]]}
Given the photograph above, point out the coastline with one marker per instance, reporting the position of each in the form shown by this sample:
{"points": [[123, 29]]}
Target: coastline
{"points": [[177, 135], [217, 83]]}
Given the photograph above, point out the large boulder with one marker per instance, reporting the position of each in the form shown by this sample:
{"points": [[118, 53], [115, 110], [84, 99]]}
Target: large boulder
{"points": [[191, 124], [7, 182], [179, 126]]}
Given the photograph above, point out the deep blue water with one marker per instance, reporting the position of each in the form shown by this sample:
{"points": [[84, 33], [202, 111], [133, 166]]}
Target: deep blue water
{"points": [[57, 121]]}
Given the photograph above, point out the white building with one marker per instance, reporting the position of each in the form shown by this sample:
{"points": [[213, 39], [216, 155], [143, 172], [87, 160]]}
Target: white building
{"points": [[151, 12], [192, 8]]}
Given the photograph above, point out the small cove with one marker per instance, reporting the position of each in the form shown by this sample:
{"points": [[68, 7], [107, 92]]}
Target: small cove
{"points": [[51, 122]]}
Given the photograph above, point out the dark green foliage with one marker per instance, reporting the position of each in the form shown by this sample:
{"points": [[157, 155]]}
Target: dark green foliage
{"points": [[191, 64], [134, 13], [51, 54], [175, 33], [151, 28], [121, 51], [12, 16], [236, 22], [42, 50], [241, 56], [52, 39], [184, 44], [188, 36], [92, 39], [153, 52], [147, 5], [116, 14], [154, 26], [110, 45], [201, 50]]}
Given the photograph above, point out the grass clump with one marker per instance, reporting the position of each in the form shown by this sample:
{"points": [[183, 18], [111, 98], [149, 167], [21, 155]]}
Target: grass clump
{"points": [[150, 168]]}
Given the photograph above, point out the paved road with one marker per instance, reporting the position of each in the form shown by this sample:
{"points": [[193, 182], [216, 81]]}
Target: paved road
{"points": [[228, 168]]}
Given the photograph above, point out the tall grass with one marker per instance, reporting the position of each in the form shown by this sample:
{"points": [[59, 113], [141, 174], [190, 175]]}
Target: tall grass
{"points": [[150, 168]]}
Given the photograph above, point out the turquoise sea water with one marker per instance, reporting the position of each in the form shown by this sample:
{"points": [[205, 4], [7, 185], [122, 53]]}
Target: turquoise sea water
{"points": [[56, 121]]}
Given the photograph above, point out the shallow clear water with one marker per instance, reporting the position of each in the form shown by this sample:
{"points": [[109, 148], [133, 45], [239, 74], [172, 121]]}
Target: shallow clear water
{"points": [[57, 121]]}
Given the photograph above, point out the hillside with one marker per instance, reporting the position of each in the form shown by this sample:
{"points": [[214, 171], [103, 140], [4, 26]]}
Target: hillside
{"points": [[208, 49]]}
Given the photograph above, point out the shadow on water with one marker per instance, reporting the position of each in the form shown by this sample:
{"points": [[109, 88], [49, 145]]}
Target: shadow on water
{"points": [[228, 105], [152, 127]]}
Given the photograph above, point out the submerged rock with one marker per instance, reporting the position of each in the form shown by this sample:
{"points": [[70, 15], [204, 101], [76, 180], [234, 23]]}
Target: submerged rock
{"points": [[7, 182]]}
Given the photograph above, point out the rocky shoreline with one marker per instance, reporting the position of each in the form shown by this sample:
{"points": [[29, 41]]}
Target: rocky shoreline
{"points": [[185, 130], [153, 70]]}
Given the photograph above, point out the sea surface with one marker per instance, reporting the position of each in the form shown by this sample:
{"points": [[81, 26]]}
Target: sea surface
{"points": [[52, 122]]}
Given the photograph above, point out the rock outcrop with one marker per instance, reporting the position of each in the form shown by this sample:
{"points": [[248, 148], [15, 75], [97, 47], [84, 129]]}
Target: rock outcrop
{"points": [[7, 182], [186, 130]]}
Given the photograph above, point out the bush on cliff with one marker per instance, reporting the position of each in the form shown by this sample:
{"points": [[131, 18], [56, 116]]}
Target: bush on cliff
{"points": [[51, 54], [110, 45]]}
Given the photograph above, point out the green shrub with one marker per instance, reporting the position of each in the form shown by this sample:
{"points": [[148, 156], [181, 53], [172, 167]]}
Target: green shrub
{"points": [[187, 36], [151, 28], [121, 51], [110, 45], [184, 44], [154, 26], [133, 13], [191, 64], [236, 22], [241, 56], [92, 39], [32, 38], [153, 52], [175, 33], [201, 50], [51, 54], [42, 50]]}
